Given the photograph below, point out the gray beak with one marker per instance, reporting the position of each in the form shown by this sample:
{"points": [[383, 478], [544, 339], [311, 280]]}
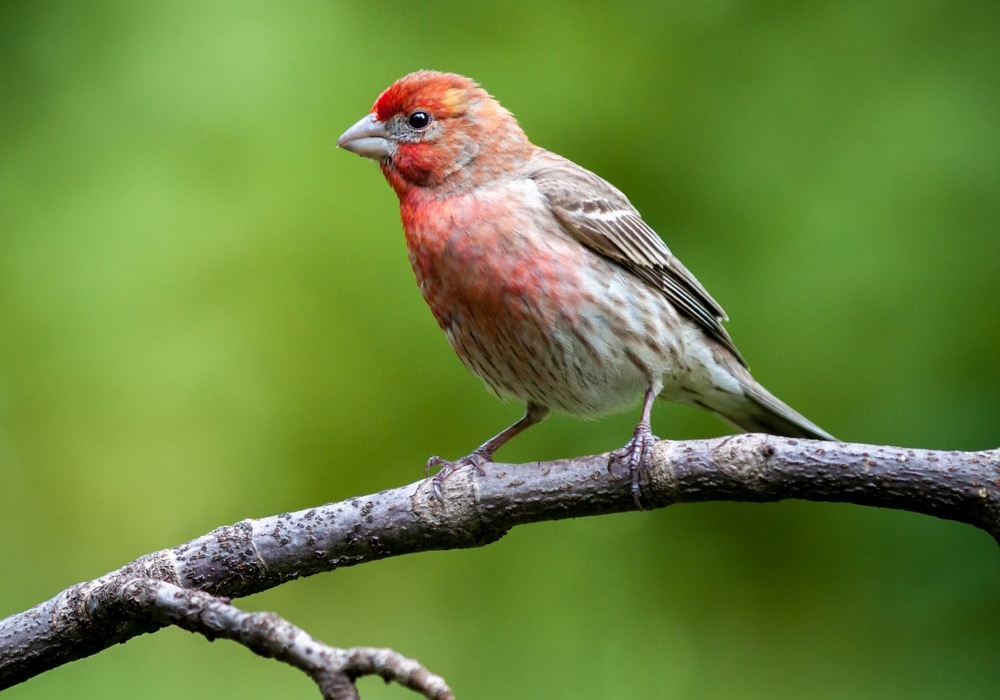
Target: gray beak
{"points": [[367, 138]]}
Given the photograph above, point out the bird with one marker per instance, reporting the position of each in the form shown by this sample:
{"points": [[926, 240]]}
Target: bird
{"points": [[549, 285]]}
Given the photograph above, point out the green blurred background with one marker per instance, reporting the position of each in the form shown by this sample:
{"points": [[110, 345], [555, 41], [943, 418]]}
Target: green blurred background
{"points": [[207, 314]]}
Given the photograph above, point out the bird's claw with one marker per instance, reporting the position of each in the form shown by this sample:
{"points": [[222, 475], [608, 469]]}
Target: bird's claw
{"points": [[635, 457], [445, 468]]}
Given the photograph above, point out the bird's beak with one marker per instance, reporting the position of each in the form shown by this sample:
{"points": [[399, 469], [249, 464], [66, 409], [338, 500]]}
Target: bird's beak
{"points": [[367, 138]]}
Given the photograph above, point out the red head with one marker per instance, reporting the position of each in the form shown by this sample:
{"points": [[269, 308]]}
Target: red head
{"points": [[437, 131]]}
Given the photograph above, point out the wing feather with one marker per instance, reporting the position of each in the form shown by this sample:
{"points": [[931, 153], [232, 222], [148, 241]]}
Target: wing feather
{"points": [[597, 214]]}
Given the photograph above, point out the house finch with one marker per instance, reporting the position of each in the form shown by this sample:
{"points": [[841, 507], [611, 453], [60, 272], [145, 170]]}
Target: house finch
{"points": [[546, 280]]}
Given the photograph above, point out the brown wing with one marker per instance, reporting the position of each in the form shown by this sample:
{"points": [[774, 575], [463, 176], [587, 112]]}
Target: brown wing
{"points": [[597, 214]]}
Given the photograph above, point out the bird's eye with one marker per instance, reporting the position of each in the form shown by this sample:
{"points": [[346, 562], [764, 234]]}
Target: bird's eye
{"points": [[419, 120]]}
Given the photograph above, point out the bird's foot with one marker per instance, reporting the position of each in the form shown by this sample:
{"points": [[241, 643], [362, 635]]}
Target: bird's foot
{"points": [[635, 457], [445, 468]]}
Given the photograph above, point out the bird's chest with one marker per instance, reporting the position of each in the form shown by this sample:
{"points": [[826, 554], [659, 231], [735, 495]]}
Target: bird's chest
{"points": [[529, 310], [489, 260]]}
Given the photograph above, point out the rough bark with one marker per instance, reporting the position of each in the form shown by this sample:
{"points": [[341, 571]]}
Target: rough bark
{"points": [[476, 509]]}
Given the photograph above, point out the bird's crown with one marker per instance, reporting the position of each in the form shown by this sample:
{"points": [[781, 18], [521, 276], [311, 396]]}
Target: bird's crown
{"points": [[442, 94]]}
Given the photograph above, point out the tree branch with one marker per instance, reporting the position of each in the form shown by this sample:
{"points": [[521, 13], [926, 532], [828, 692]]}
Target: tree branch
{"points": [[254, 555], [266, 634]]}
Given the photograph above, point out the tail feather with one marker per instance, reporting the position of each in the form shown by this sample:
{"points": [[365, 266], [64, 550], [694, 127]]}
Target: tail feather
{"points": [[763, 412]]}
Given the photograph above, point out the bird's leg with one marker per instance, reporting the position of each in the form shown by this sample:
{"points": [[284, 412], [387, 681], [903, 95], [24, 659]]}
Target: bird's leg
{"points": [[635, 454], [484, 453]]}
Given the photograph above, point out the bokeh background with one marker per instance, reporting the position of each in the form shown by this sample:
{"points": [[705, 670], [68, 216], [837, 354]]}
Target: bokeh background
{"points": [[206, 314]]}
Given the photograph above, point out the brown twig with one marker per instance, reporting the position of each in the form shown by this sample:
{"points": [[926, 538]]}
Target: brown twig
{"points": [[254, 555]]}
